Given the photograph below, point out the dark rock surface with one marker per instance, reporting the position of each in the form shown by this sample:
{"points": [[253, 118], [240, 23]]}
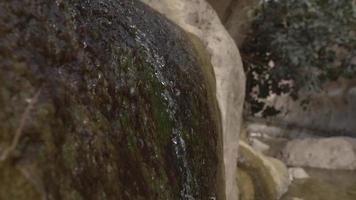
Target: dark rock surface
{"points": [[103, 99]]}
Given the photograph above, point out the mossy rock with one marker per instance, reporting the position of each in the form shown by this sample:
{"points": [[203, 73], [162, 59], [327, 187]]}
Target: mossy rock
{"points": [[245, 185], [126, 104], [269, 176]]}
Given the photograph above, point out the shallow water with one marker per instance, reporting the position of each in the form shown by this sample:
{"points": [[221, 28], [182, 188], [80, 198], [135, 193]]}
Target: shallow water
{"points": [[324, 185]]}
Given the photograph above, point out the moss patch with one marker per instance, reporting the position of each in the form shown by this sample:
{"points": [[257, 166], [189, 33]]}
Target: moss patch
{"points": [[264, 186], [245, 185]]}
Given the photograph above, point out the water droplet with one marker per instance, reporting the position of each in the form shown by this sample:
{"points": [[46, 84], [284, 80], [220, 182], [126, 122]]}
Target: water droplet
{"points": [[85, 45], [132, 90], [175, 141], [58, 2], [177, 92]]}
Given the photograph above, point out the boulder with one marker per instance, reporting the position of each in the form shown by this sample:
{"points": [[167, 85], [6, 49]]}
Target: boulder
{"points": [[326, 153], [270, 176], [198, 18], [104, 99], [237, 16]]}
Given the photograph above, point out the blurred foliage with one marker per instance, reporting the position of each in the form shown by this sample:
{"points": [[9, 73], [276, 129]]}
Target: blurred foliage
{"points": [[299, 44]]}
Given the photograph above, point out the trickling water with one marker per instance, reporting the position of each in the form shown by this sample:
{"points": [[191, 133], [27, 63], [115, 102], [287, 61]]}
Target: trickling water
{"points": [[177, 139]]}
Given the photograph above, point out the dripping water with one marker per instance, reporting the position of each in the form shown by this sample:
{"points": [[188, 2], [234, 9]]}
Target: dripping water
{"points": [[177, 139]]}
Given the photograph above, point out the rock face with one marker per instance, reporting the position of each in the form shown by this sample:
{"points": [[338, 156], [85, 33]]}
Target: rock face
{"points": [[197, 17], [329, 112], [104, 99], [222, 7], [236, 15], [270, 176], [326, 153]]}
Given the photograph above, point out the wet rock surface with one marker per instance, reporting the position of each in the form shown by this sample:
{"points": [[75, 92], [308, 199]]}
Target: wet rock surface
{"points": [[199, 18], [103, 100]]}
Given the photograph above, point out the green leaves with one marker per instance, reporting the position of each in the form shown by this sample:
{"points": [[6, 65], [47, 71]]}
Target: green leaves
{"points": [[311, 41]]}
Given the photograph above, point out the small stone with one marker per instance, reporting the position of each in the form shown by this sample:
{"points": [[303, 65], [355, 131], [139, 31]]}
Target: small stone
{"points": [[255, 134], [258, 145], [297, 173], [296, 198]]}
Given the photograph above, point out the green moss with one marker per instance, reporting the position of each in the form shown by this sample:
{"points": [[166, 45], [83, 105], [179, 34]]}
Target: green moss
{"points": [[199, 147], [265, 188], [15, 185], [245, 185]]}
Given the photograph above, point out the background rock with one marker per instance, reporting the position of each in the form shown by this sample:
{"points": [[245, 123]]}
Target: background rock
{"points": [[328, 112], [104, 99], [197, 17], [326, 153]]}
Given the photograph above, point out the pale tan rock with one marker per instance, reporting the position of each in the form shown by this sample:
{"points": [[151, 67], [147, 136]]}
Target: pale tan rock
{"points": [[197, 17], [297, 173], [258, 145], [327, 153], [237, 16], [296, 198]]}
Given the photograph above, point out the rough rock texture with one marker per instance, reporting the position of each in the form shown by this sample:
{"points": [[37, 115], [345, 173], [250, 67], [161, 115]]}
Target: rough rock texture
{"points": [[236, 15], [104, 99], [197, 17], [326, 153], [270, 176]]}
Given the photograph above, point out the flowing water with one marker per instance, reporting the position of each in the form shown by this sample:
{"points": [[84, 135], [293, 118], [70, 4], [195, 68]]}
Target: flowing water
{"points": [[178, 142]]}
